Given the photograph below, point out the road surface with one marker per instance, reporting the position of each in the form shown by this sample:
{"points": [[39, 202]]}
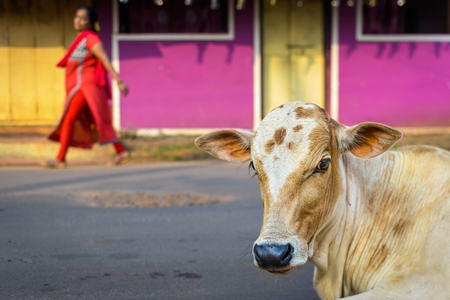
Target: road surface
{"points": [[56, 245]]}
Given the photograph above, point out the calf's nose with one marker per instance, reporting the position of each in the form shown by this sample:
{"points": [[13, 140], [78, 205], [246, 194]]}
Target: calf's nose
{"points": [[272, 255]]}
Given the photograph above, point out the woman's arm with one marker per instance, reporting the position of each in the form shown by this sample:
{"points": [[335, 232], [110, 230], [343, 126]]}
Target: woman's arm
{"points": [[100, 53]]}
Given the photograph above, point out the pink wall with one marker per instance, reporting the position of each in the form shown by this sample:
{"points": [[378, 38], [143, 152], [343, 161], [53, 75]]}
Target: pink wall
{"points": [[190, 84], [399, 84]]}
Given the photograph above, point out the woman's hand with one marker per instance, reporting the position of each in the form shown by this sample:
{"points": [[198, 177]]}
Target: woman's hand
{"points": [[123, 88]]}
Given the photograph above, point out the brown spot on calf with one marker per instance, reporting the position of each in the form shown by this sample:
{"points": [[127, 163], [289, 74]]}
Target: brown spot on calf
{"points": [[297, 128], [305, 113], [269, 146], [279, 135]]}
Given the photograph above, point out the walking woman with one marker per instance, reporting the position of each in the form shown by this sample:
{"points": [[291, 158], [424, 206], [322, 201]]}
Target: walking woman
{"points": [[86, 118]]}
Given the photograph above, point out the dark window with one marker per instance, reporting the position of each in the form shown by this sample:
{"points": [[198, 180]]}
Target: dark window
{"points": [[173, 16], [413, 17]]}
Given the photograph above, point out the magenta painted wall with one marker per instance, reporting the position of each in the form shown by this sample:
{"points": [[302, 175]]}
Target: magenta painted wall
{"points": [[190, 84], [399, 84]]}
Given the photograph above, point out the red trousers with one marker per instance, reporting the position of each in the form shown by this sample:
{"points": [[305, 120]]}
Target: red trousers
{"points": [[77, 104]]}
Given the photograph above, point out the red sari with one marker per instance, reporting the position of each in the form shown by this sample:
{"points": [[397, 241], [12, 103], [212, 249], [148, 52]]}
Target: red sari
{"points": [[85, 73]]}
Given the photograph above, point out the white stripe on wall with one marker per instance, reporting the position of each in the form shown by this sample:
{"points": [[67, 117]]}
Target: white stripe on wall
{"points": [[257, 98], [334, 68], [116, 64]]}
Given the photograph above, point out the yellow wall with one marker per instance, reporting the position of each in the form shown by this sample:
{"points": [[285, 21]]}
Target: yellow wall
{"points": [[293, 53], [34, 37]]}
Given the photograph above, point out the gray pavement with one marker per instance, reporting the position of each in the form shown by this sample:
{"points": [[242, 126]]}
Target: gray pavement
{"points": [[53, 245]]}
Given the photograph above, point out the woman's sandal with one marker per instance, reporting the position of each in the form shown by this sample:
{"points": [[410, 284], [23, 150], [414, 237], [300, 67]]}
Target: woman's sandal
{"points": [[53, 164], [120, 159]]}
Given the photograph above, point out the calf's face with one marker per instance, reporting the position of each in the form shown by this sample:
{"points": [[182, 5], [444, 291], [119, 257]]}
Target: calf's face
{"points": [[295, 152]]}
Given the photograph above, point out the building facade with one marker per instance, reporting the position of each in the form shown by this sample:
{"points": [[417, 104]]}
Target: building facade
{"points": [[194, 65]]}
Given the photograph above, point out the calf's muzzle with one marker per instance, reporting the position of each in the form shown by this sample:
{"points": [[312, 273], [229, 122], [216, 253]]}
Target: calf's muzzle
{"points": [[273, 256]]}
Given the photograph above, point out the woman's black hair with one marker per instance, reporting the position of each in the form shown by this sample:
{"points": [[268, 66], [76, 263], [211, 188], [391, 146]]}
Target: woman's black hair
{"points": [[91, 14]]}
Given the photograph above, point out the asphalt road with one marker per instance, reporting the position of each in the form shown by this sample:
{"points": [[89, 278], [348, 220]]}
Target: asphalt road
{"points": [[54, 245]]}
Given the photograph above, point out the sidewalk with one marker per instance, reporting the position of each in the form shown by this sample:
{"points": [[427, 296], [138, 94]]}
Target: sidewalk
{"points": [[27, 151], [28, 147]]}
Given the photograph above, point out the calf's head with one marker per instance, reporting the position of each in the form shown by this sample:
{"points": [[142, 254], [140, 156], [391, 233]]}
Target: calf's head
{"points": [[296, 152]]}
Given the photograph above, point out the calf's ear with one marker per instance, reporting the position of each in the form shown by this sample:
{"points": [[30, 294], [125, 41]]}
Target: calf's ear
{"points": [[229, 145], [367, 140]]}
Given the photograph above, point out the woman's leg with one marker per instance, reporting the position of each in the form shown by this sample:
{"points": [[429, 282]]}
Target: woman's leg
{"points": [[123, 156], [77, 104], [119, 147]]}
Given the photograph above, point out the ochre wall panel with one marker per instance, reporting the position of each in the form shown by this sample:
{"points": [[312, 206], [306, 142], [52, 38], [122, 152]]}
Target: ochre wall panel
{"points": [[49, 49], [34, 35], [22, 58], [5, 97]]}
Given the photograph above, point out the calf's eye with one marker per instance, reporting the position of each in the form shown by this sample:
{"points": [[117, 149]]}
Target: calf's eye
{"points": [[252, 166], [322, 166]]}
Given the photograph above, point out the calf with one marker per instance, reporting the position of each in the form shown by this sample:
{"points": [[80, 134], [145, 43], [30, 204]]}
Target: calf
{"points": [[375, 223]]}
